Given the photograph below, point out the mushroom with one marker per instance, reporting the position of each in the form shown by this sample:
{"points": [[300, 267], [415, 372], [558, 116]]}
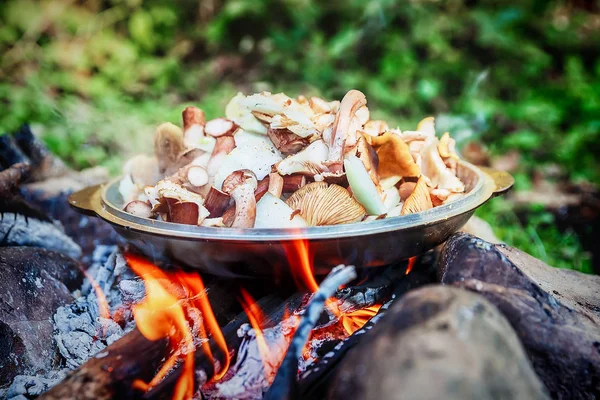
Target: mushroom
{"points": [[319, 106], [427, 126], [223, 146], [240, 186], [419, 200], [375, 127], [435, 170], [143, 170], [320, 203], [242, 116], [291, 183], [179, 204], [343, 128], [139, 208], [308, 161], [275, 184], [220, 127], [216, 202], [286, 141], [193, 126], [168, 145], [394, 156], [406, 189], [272, 212], [391, 198]]}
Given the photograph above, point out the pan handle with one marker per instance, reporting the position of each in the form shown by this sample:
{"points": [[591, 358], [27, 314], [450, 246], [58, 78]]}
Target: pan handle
{"points": [[503, 180], [84, 200]]}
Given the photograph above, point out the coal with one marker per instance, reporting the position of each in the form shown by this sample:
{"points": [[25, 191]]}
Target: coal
{"points": [[556, 313], [34, 283], [438, 342]]}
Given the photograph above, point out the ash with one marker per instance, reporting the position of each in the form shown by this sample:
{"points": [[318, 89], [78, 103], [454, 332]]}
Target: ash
{"points": [[249, 378], [80, 331]]}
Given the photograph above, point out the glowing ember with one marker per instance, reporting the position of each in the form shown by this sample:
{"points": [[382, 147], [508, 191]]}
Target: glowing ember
{"points": [[411, 264], [254, 317], [163, 313]]}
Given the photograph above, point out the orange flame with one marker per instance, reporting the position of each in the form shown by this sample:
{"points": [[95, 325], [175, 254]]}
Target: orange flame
{"points": [[163, 313], [355, 320], [411, 265], [255, 316]]}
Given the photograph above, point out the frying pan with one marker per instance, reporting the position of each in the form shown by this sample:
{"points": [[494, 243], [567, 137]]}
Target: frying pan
{"points": [[262, 252]]}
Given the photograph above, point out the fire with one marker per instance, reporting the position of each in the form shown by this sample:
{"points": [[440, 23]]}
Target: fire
{"points": [[411, 265], [301, 265], [355, 320], [255, 316], [163, 313]]}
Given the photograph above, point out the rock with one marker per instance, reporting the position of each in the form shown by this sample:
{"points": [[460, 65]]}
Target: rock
{"points": [[438, 342], [34, 283], [556, 313]]}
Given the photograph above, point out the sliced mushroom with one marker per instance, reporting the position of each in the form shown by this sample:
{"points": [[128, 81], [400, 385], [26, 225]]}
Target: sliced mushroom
{"points": [[286, 141], [394, 156], [220, 127], [240, 185], [319, 106], [216, 202], [427, 126], [391, 198], [193, 126], [322, 204], [344, 127], [434, 168], [419, 200], [275, 184], [179, 204], [242, 116], [447, 146], [213, 222], [406, 189], [168, 145], [291, 183], [139, 208], [375, 127], [308, 162], [272, 212]]}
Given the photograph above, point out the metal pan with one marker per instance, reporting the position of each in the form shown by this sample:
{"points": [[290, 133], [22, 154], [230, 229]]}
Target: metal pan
{"points": [[262, 252]]}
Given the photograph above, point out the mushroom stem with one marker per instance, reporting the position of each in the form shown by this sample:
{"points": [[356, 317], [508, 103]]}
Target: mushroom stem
{"points": [[240, 185], [216, 202], [342, 126], [291, 183], [223, 146], [193, 125], [275, 184], [139, 208]]}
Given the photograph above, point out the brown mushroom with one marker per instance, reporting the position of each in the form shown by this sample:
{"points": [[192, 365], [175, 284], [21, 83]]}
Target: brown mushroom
{"points": [[285, 141], [220, 127], [178, 204], [320, 203], [275, 184], [394, 156], [240, 185], [216, 202], [291, 183], [139, 208], [343, 128], [406, 189], [168, 145], [224, 145], [419, 200], [193, 125]]}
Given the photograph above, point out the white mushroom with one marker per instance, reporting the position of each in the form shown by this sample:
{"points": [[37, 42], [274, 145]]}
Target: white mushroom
{"points": [[308, 161], [240, 185], [434, 168]]}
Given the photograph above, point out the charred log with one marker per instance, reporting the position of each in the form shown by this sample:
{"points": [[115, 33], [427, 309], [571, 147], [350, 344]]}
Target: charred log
{"points": [[438, 342], [556, 313]]}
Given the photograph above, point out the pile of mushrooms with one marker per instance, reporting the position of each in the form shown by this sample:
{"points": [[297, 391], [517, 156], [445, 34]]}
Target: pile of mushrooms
{"points": [[280, 162]]}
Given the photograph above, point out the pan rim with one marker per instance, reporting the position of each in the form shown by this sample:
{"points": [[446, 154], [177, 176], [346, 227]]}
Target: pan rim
{"points": [[107, 210]]}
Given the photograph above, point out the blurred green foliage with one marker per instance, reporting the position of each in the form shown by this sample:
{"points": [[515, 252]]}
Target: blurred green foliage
{"points": [[516, 74]]}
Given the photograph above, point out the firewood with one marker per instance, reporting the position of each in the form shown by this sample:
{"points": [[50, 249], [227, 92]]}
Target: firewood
{"points": [[554, 312], [438, 342]]}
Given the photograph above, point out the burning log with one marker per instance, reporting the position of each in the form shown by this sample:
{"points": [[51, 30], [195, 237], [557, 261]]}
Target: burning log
{"points": [[438, 342], [285, 383], [111, 373], [554, 312]]}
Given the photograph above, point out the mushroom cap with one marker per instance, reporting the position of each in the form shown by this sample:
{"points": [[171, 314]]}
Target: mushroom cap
{"points": [[168, 145], [322, 204], [192, 116], [419, 199], [394, 156], [238, 178]]}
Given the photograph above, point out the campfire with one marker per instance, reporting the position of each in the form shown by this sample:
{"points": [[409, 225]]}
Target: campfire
{"points": [[85, 315]]}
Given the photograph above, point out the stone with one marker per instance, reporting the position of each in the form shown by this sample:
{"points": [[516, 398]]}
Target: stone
{"points": [[34, 283], [438, 342], [556, 313]]}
